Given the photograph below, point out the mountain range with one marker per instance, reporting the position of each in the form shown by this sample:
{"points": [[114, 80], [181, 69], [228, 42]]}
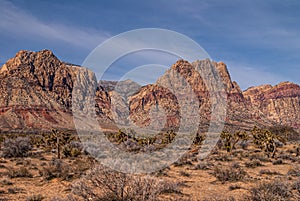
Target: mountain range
{"points": [[36, 95]]}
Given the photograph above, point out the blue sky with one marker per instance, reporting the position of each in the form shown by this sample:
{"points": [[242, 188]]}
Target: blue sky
{"points": [[258, 40]]}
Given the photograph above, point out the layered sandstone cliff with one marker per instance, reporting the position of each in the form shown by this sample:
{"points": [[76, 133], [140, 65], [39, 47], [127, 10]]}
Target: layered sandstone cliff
{"points": [[36, 94]]}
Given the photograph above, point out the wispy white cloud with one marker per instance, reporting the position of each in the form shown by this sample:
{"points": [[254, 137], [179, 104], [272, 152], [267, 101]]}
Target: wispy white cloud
{"points": [[15, 21], [249, 23]]}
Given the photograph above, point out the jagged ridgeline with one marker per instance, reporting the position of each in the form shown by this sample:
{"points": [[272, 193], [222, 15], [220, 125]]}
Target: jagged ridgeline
{"points": [[36, 95]]}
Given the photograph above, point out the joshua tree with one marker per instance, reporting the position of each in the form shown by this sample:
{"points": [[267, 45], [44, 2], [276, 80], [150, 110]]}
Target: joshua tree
{"points": [[231, 139], [266, 140], [59, 138]]}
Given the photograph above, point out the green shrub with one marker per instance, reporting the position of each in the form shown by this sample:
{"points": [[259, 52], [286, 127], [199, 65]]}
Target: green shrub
{"points": [[73, 149]]}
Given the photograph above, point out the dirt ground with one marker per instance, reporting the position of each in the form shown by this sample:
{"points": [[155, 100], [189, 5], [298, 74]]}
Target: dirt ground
{"points": [[30, 178]]}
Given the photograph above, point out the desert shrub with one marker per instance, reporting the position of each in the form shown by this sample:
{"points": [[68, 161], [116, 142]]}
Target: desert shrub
{"points": [[56, 168], [18, 147], [234, 187], [253, 163], [104, 184], [184, 160], [278, 162], [230, 174], [6, 182], [259, 157], [288, 157], [222, 157], [268, 172], [35, 198], [203, 165], [161, 172], [295, 171], [73, 149], [220, 199], [270, 191], [296, 185], [185, 174], [15, 190], [20, 172]]}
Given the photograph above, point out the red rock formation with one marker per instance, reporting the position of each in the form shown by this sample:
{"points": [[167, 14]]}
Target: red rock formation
{"points": [[36, 94], [280, 103]]}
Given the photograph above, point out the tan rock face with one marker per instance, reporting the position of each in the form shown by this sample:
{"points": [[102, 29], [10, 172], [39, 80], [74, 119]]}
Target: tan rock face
{"points": [[36, 94], [280, 103], [36, 90]]}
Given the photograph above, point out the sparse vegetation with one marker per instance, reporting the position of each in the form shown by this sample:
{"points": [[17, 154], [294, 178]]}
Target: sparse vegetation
{"points": [[104, 184], [18, 147], [237, 167], [55, 169], [270, 191], [231, 139], [72, 149], [266, 140], [231, 174], [253, 163], [35, 198], [19, 172]]}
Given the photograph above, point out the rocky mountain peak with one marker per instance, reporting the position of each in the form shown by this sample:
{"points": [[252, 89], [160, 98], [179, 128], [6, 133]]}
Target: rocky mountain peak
{"points": [[36, 89], [25, 58]]}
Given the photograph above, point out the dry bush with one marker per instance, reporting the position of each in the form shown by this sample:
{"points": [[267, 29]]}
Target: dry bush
{"points": [[225, 157], [203, 165], [35, 198], [288, 157], [18, 147], [6, 182], [186, 159], [56, 168], [271, 191], [296, 185], [268, 172], [295, 171], [185, 174], [254, 163], [220, 199], [278, 162], [231, 174], [234, 187], [20, 172], [15, 190], [104, 184], [260, 157]]}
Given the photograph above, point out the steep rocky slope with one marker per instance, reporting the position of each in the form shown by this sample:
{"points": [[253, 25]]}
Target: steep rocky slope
{"points": [[280, 103], [36, 94]]}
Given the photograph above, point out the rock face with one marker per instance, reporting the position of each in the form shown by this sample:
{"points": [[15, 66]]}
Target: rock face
{"points": [[280, 103], [36, 92], [37, 87]]}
